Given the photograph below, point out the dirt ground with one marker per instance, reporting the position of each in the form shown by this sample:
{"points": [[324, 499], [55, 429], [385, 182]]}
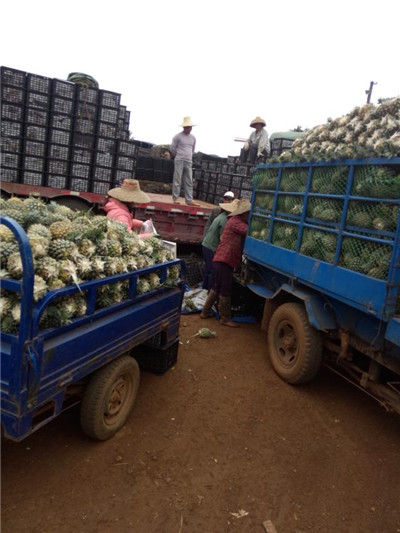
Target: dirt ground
{"points": [[217, 444]]}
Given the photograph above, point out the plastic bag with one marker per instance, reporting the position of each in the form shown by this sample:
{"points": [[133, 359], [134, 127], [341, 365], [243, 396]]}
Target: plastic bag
{"points": [[148, 227]]}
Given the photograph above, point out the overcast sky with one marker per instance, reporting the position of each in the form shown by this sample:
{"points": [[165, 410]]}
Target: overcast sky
{"points": [[294, 63]]}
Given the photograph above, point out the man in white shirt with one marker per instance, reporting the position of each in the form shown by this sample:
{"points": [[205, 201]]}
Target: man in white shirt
{"points": [[182, 149], [257, 144]]}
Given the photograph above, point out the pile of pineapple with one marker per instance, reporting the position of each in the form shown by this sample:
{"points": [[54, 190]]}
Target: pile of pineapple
{"points": [[70, 247], [367, 131]]}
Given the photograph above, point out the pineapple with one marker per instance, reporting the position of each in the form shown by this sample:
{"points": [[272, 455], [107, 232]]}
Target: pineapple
{"points": [[60, 229], [62, 249]]}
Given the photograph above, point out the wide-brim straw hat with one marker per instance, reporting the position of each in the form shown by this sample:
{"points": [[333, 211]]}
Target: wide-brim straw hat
{"points": [[187, 122], [229, 206], [129, 192], [257, 120], [242, 207]]}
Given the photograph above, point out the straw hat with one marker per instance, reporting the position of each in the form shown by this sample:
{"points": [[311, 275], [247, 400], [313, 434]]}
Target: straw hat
{"points": [[257, 120], [187, 122], [241, 207], [231, 206], [129, 192]]}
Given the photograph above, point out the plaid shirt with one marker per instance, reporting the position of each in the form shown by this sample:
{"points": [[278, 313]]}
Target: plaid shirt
{"points": [[230, 248]]}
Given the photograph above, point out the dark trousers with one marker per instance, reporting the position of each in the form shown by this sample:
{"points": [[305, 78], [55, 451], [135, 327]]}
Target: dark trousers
{"points": [[208, 275], [223, 278], [250, 155]]}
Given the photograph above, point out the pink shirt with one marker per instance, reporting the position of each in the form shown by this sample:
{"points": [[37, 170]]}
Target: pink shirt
{"points": [[119, 211]]}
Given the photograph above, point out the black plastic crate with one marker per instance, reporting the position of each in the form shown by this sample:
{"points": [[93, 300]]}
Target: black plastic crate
{"points": [[126, 148], [10, 144], [35, 148], [10, 160], [13, 95], [56, 181], [62, 105], [108, 115], [79, 184], [60, 121], [11, 76], [59, 151], [33, 178], [121, 175], [86, 110], [102, 174], [11, 129], [155, 360], [162, 176], [35, 133], [33, 164], [37, 100], [60, 136], [125, 163], [10, 175], [39, 84], [122, 112], [57, 167], [38, 117], [63, 88], [79, 170], [83, 140], [87, 94], [109, 99], [106, 130], [100, 187], [82, 155], [104, 160], [106, 145], [85, 125], [12, 112]]}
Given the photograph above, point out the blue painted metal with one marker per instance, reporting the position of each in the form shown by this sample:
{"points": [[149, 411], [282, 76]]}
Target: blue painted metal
{"points": [[335, 297], [37, 366]]}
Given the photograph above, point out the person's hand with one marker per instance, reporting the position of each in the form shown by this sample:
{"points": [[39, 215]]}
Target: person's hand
{"points": [[246, 146]]}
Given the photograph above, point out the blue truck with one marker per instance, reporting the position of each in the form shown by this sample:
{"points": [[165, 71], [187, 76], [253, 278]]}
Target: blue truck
{"points": [[95, 359], [323, 251]]}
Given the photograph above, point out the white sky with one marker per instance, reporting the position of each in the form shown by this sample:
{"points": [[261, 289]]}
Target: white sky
{"points": [[221, 62]]}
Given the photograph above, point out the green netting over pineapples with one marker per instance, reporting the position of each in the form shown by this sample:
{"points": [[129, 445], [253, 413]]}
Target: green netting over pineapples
{"points": [[264, 201], [265, 178], [285, 235], [373, 215], [318, 244], [366, 257], [376, 182], [329, 180], [324, 209], [259, 228], [292, 204], [294, 179]]}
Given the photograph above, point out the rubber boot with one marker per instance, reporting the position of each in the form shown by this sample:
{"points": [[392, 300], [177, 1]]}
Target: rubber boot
{"points": [[225, 312], [211, 298]]}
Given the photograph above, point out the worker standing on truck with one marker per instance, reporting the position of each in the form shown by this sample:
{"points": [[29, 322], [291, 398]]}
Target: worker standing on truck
{"points": [[226, 259], [182, 149], [212, 239], [121, 199], [257, 144]]}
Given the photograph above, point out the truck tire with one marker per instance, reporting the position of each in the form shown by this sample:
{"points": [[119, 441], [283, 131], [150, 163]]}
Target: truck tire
{"points": [[109, 398], [294, 346]]}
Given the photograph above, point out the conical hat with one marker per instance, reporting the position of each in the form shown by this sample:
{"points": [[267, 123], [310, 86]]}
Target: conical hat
{"points": [[129, 192], [242, 207], [187, 122], [229, 206], [257, 120]]}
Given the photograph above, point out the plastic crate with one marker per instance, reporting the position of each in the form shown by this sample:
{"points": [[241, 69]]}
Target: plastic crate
{"points": [[102, 174], [106, 145], [82, 155], [125, 163], [121, 175], [79, 185], [122, 112], [10, 175], [33, 178], [13, 95], [12, 112], [106, 130], [85, 125], [37, 100], [11, 129], [11, 76], [155, 360], [104, 160], [58, 151], [38, 117], [34, 148], [61, 122], [60, 136], [56, 181], [10, 160], [39, 84], [34, 164], [194, 269], [109, 99], [62, 105], [108, 115], [83, 140], [86, 110], [78, 170], [63, 88], [87, 94], [57, 167], [100, 187], [10, 144]]}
